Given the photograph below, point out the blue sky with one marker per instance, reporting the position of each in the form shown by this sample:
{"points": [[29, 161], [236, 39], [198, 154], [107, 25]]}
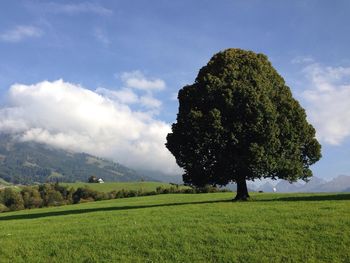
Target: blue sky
{"points": [[138, 54]]}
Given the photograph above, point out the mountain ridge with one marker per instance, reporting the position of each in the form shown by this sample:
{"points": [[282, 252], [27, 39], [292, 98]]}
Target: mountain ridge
{"points": [[341, 183], [31, 162]]}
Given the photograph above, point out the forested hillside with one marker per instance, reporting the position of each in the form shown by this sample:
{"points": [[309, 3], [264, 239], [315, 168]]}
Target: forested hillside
{"points": [[29, 162]]}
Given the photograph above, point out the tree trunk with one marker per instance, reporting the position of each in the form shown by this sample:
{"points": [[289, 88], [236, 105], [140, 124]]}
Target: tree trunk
{"points": [[242, 190]]}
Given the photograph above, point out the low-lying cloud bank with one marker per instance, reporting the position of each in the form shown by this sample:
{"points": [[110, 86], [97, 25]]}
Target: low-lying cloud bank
{"points": [[99, 122]]}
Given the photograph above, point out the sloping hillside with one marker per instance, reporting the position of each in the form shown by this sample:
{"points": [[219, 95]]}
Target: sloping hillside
{"points": [[3, 183], [337, 184], [31, 162], [183, 228]]}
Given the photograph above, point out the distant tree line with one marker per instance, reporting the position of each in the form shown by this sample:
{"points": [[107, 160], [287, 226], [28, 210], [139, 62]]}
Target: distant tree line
{"points": [[46, 195]]}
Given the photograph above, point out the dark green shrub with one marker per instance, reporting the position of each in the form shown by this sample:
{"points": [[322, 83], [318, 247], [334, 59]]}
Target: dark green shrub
{"points": [[3, 208], [122, 193], [54, 198], [51, 194], [112, 195], [12, 199], [31, 197], [188, 191], [160, 190], [86, 193], [132, 193], [101, 196]]}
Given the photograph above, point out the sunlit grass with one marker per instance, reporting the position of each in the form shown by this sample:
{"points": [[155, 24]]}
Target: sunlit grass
{"points": [[183, 228]]}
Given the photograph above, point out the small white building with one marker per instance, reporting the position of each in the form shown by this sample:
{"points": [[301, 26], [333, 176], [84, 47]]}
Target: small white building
{"points": [[100, 181]]}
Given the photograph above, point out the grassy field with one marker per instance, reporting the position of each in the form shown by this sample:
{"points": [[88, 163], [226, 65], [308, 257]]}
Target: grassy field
{"points": [[116, 186], [183, 228]]}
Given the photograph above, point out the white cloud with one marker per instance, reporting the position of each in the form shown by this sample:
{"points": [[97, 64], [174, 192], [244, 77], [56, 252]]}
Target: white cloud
{"points": [[101, 36], [327, 102], [302, 60], [137, 80], [76, 8], [21, 32], [137, 90], [150, 102], [72, 117], [129, 97], [125, 96]]}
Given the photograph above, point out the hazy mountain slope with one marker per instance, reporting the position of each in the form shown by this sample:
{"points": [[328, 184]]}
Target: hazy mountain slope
{"points": [[266, 187], [316, 184], [340, 183], [313, 185], [33, 162], [3, 183], [162, 177], [284, 186]]}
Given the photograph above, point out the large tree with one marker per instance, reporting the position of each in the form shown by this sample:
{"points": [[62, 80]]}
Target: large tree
{"points": [[239, 121]]}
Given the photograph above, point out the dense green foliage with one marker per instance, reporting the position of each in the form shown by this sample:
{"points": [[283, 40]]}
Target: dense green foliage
{"points": [[11, 199], [30, 162], [183, 228], [239, 121], [35, 197], [46, 195], [117, 186]]}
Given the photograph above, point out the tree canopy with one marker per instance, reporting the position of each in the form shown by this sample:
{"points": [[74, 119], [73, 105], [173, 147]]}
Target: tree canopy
{"points": [[239, 121]]}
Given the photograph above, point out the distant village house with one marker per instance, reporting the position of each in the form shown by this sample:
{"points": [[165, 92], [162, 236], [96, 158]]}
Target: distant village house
{"points": [[94, 179], [100, 181]]}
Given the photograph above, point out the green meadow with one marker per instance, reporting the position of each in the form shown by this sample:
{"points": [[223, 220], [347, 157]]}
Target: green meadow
{"points": [[117, 186], [183, 228]]}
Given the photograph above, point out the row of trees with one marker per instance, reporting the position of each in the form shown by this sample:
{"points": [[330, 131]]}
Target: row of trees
{"points": [[35, 196], [46, 195]]}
